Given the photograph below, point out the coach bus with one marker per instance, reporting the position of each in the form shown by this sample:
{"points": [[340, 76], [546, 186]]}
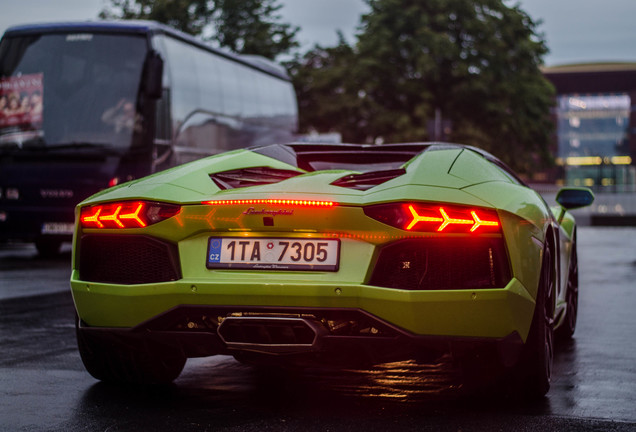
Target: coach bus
{"points": [[85, 106]]}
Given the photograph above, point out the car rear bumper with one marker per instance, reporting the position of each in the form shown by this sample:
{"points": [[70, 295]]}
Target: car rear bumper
{"points": [[277, 335], [394, 320]]}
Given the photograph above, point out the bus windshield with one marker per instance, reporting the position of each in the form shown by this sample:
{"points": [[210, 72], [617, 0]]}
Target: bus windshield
{"points": [[64, 90]]}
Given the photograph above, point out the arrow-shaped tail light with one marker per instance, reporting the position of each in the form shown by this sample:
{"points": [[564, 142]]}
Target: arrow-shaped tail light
{"points": [[483, 223], [126, 214], [423, 217]]}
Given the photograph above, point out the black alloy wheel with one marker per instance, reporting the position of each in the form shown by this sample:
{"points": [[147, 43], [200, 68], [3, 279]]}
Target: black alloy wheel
{"points": [[566, 331], [533, 374], [145, 363]]}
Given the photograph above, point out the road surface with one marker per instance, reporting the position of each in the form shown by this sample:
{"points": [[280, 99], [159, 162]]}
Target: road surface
{"points": [[44, 387]]}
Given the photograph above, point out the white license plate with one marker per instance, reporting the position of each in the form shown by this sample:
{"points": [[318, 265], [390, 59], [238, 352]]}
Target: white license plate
{"points": [[57, 228], [273, 253]]}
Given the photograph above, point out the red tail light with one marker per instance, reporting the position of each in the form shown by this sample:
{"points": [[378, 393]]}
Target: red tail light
{"points": [[435, 217], [127, 214]]}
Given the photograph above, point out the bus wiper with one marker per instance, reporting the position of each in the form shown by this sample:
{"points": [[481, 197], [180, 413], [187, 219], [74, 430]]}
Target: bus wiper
{"points": [[9, 146], [40, 145], [107, 148], [13, 145]]}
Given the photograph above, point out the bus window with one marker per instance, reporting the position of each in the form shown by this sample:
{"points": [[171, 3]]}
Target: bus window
{"points": [[163, 116], [81, 78], [185, 90], [266, 94], [279, 100], [291, 109], [250, 94], [229, 81], [209, 85]]}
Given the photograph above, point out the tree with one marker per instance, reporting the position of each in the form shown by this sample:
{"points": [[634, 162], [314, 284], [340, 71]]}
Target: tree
{"points": [[475, 63], [253, 27], [244, 26], [189, 16], [330, 99]]}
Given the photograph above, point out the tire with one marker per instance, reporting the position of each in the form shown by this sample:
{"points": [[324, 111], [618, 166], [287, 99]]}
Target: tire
{"points": [[566, 331], [534, 371], [144, 363]]}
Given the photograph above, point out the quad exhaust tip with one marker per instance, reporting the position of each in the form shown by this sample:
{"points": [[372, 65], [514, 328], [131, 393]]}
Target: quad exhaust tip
{"points": [[271, 335]]}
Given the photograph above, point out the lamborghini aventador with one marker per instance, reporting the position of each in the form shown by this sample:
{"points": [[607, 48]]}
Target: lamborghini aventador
{"points": [[329, 255]]}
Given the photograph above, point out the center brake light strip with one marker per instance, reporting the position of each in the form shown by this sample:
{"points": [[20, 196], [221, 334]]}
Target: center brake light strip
{"points": [[303, 203]]}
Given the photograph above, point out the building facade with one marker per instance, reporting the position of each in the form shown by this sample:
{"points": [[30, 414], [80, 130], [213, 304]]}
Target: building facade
{"points": [[595, 120]]}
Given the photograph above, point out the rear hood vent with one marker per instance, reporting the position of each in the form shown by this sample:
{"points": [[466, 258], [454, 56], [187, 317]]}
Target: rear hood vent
{"points": [[254, 176], [368, 180]]}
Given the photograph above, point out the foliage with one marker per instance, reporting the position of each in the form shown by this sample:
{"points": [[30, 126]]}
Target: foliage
{"points": [[252, 27], [474, 62], [471, 64], [328, 99], [244, 26], [189, 16]]}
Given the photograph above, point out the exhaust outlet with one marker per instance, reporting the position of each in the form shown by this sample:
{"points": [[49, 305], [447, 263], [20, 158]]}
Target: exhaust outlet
{"points": [[271, 335]]}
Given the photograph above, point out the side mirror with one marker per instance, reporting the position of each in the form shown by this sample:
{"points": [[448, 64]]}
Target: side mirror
{"points": [[572, 198], [153, 74]]}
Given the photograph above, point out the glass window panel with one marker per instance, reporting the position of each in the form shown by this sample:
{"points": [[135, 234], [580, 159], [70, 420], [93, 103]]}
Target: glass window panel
{"points": [[593, 125], [92, 79], [250, 93], [185, 80], [230, 89], [210, 91], [266, 92]]}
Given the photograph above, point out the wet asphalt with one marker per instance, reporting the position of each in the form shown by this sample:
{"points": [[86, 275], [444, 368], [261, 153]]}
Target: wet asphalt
{"points": [[44, 387]]}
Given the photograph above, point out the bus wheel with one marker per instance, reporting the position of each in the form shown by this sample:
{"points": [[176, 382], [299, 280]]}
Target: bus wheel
{"points": [[48, 247], [111, 361]]}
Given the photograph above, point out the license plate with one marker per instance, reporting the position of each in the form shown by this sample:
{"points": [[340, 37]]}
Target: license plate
{"points": [[57, 228], [273, 253]]}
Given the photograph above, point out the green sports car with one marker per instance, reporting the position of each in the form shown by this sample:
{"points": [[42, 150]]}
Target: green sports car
{"points": [[326, 254]]}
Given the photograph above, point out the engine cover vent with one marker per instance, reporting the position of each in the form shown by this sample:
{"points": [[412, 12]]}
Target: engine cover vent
{"points": [[368, 180], [253, 176]]}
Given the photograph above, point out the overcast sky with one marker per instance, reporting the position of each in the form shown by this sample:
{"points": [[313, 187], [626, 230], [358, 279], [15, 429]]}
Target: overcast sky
{"points": [[576, 30]]}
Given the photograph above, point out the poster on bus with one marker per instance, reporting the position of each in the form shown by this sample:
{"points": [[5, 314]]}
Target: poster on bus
{"points": [[21, 100]]}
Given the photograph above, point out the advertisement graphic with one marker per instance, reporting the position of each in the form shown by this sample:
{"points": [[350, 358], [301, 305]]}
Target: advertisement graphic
{"points": [[21, 102]]}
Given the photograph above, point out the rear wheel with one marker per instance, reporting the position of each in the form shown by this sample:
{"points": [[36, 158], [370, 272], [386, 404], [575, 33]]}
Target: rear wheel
{"points": [[534, 370], [145, 363], [566, 331]]}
